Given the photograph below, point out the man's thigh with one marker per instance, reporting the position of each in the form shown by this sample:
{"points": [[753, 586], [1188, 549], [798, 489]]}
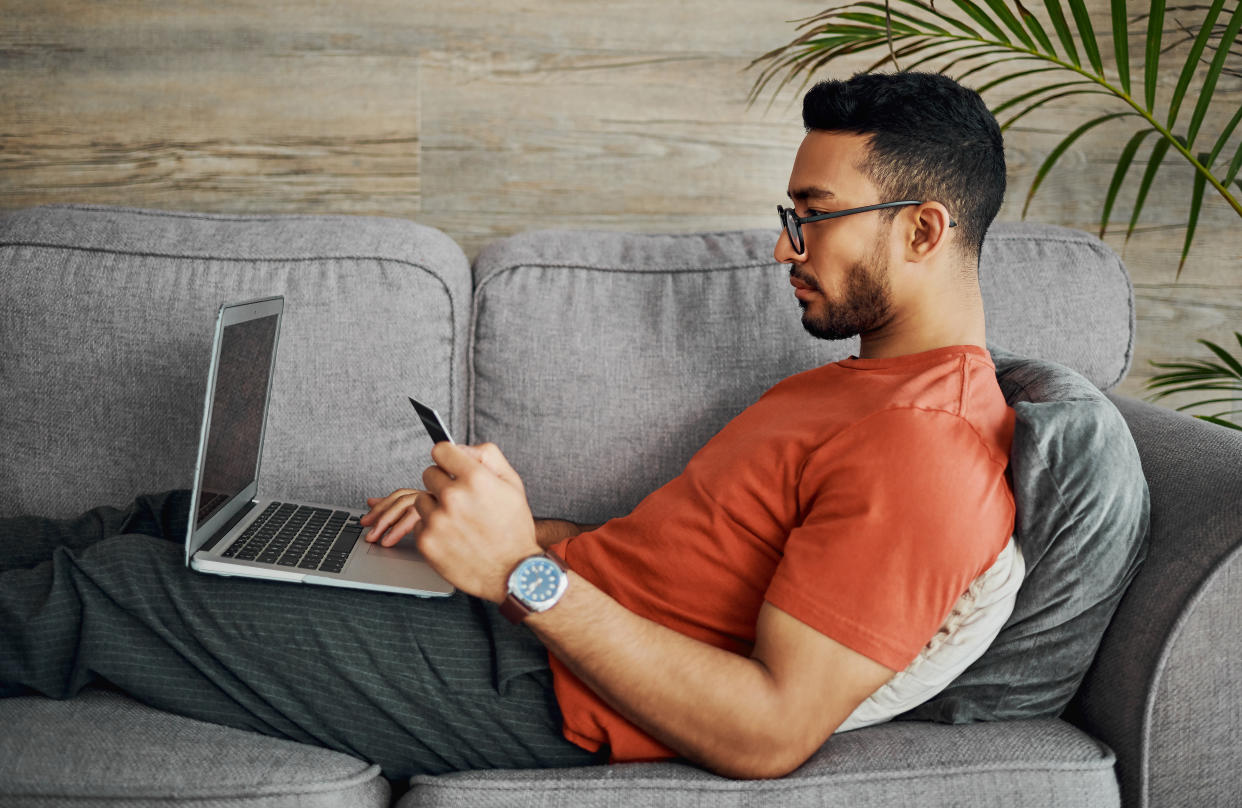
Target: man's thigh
{"points": [[417, 685]]}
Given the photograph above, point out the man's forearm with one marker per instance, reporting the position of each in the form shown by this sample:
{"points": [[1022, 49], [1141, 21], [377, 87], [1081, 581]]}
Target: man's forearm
{"points": [[549, 531], [728, 720]]}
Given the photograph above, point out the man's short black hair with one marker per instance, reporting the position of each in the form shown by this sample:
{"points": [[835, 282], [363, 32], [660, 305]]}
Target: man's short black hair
{"points": [[931, 139]]}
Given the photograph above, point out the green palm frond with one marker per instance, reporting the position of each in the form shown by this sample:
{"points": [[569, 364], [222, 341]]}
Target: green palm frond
{"points": [[1188, 34], [1003, 41], [1201, 375]]}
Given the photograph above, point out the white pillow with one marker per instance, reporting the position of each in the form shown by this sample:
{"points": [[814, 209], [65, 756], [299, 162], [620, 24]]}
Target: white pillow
{"points": [[967, 632]]}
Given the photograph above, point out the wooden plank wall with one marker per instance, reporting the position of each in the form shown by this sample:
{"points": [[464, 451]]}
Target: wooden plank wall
{"points": [[485, 119]]}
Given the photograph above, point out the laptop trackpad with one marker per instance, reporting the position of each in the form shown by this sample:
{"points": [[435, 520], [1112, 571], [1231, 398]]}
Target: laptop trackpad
{"points": [[404, 550]]}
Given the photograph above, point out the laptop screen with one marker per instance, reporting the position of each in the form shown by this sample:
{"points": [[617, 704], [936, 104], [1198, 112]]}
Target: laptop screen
{"points": [[236, 427]]}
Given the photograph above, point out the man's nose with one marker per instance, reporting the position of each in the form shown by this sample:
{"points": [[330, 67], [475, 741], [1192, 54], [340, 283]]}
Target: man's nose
{"points": [[784, 251]]}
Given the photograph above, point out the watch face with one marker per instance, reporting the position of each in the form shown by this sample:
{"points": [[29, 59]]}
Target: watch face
{"points": [[537, 582]]}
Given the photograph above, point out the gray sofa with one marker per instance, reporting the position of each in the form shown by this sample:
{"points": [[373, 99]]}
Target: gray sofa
{"points": [[104, 337]]}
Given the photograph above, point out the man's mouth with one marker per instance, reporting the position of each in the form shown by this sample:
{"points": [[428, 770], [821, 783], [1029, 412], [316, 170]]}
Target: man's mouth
{"points": [[800, 284]]}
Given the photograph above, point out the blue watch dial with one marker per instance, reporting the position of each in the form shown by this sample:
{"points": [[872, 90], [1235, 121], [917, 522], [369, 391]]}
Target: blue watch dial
{"points": [[537, 581]]}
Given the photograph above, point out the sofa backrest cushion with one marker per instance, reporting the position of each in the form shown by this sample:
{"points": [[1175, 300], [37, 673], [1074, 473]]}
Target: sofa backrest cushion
{"points": [[1061, 295], [1082, 518], [600, 362], [105, 338]]}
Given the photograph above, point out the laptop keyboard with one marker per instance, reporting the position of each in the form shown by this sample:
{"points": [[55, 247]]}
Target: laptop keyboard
{"points": [[298, 536]]}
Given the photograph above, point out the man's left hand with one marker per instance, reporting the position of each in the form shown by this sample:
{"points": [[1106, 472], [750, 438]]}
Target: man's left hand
{"points": [[475, 523]]}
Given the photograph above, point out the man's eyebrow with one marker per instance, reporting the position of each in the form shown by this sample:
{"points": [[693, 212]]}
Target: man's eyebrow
{"points": [[803, 194]]}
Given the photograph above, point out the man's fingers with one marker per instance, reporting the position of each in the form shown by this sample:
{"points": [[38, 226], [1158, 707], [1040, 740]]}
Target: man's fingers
{"points": [[381, 504], [454, 459], [495, 460], [413, 520], [406, 524], [461, 460], [425, 505], [435, 479], [390, 511]]}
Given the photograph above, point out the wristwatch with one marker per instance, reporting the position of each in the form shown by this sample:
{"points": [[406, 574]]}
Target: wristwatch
{"points": [[536, 584]]}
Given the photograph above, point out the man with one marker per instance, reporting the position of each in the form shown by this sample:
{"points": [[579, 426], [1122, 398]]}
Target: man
{"points": [[736, 617]]}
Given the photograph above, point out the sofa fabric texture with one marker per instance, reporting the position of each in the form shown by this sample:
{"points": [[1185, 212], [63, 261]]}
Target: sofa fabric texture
{"points": [[1059, 295], [110, 750], [1022, 763], [1163, 691], [598, 362], [375, 309]]}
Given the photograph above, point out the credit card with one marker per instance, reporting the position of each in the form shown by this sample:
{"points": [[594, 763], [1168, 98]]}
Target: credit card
{"points": [[432, 423]]}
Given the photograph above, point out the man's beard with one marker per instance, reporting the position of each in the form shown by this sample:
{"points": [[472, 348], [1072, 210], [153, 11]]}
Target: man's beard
{"points": [[867, 304]]}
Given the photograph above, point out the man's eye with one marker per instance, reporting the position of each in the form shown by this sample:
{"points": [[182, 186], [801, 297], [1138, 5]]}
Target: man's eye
{"points": [[813, 212]]}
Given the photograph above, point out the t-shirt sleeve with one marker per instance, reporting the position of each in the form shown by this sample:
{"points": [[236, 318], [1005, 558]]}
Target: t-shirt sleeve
{"points": [[900, 512]]}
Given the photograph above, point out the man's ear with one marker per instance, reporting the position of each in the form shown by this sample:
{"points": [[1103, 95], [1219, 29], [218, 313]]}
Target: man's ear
{"points": [[929, 231]]}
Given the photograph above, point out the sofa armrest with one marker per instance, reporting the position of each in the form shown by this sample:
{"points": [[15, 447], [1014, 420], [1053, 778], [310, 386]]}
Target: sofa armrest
{"points": [[1165, 690]]}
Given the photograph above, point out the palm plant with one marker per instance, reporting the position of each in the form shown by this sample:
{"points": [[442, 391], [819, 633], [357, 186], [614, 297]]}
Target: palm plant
{"points": [[998, 44], [1200, 375], [993, 40]]}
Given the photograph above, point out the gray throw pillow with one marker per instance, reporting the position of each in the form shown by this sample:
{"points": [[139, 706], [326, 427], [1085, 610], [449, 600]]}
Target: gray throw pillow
{"points": [[1082, 515]]}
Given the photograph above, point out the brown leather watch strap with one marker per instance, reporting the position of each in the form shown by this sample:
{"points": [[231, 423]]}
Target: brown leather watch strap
{"points": [[514, 610]]}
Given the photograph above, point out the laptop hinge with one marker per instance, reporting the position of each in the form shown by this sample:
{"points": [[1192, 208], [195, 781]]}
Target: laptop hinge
{"points": [[224, 529]]}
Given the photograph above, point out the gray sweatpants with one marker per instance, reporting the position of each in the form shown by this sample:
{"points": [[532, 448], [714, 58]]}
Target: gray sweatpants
{"points": [[416, 685]]}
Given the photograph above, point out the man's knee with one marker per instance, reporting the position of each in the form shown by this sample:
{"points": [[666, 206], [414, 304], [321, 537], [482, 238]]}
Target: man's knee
{"points": [[164, 515]]}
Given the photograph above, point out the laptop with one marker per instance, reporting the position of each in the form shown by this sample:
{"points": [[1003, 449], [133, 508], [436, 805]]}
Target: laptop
{"points": [[233, 529]]}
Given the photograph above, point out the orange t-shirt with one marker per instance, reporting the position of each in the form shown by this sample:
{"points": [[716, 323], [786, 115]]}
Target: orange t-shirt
{"points": [[861, 497]]}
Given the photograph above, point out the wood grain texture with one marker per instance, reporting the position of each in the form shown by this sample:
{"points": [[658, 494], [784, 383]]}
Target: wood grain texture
{"points": [[486, 119], [102, 104]]}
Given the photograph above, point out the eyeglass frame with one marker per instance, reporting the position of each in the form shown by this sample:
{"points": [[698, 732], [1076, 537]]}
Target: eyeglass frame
{"points": [[789, 214]]}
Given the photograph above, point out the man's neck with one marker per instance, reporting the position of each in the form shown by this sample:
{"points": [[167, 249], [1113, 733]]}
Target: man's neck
{"points": [[939, 324]]}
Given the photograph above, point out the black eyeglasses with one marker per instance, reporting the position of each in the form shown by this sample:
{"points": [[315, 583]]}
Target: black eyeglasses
{"points": [[792, 222]]}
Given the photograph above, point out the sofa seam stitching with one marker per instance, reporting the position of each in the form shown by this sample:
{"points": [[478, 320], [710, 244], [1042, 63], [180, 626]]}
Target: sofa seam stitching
{"points": [[1188, 606], [222, 217], [687, 268], [785, 785], [238, 791]]}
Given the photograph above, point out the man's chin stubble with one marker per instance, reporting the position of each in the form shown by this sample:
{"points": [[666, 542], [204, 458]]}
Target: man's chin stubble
{"points": [[836, 329]]}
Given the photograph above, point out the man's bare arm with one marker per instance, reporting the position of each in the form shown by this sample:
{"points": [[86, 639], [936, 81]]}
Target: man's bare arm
{"points": [[549, 531], [761, 716]]}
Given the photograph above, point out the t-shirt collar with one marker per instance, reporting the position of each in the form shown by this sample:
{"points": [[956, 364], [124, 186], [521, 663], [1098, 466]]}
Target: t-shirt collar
{"points": [[931, 357]]}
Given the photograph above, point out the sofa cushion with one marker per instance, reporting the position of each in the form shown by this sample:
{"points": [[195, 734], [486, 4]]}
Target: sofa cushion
{"points": [[103, 748], [601, 362], [1058, 294], [376, 309], [1082, 517], [1014, 764]]}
